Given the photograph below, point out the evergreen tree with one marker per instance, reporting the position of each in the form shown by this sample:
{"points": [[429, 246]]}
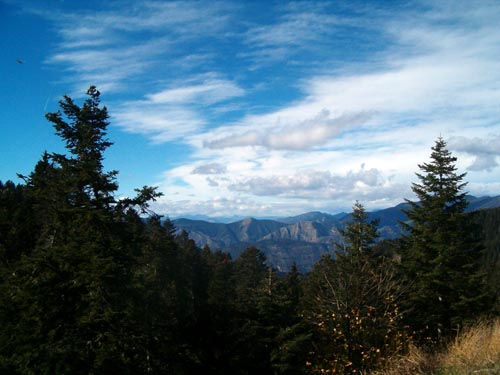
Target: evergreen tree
{"points": [[488, 220], [157, 314], [441, 252], [250, 350], [250, 271], [358, 236], [18, 230], [293, 287], [352, 303], [70, 306], [218, 327], [293, 335]]}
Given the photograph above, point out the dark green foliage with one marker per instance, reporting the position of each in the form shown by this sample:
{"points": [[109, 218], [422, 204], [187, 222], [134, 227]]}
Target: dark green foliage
{"points": [[441, 251], [84, 136], [90, 284], [254, 287], [488, 222], [352, 302], [358, 236], [216, 328], [17, 226], [293, 340], [69, 303]]}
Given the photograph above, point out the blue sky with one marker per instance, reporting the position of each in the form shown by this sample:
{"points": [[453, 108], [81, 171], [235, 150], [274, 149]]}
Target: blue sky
{"points": [[264, 108]]}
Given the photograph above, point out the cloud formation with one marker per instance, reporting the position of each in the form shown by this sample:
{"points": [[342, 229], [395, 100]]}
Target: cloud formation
{"points": [[110, 48], [276, 110], [174, 113], [209, 92], [321, 184], [299, 28], [211, 168], [485, 151], [304, 135]]}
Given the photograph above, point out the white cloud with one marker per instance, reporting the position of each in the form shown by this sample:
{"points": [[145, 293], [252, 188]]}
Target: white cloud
{"points": [[108, 67], [220, 207], [211, 168], [437, 71], [445, 82], [297, 29], [321, 184], [210, 92], [485, 151], [303, 135], [211, 182], [281, 195], [294, 29], [160, 124], [113, 46], [174, 113]]}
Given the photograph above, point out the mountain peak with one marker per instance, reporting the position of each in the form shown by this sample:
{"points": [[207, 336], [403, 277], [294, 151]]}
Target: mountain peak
{"points": [[302, 239]]}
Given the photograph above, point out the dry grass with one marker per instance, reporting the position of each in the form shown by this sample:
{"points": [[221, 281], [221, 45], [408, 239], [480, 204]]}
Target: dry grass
{"points": [[414, 362], [475, 351]]}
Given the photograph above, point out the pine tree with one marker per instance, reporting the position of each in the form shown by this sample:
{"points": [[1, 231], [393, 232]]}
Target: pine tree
{"points": [[441, 253], [18, 230], [250, 272], [352, 303], [217, 333], [292, 339], [250, 345], [85, 138], [71, 304], [488, 221]]}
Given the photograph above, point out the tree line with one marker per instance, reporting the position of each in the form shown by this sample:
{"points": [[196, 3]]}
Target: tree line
{"points": [[92, 284]]}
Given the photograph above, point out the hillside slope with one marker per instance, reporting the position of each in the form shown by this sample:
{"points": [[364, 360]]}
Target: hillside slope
{"points": [[302, 239]]}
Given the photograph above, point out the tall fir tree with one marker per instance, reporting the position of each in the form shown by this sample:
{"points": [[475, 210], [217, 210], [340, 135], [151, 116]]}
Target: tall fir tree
{"points": [[352, 303], [70, 306], [440, 251]]}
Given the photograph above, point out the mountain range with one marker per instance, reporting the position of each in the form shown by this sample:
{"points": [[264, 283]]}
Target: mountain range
{"points": [[302, 239]]}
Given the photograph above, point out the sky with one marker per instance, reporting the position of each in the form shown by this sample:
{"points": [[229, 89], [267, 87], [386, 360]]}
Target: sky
{"points": [[260, 108]]}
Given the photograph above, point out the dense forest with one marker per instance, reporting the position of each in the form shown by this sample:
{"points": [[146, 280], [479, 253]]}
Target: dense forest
{"points": [[92, 284]]}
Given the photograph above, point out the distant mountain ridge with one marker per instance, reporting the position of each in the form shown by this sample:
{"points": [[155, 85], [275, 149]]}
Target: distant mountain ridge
{"points": [[302, 239]]}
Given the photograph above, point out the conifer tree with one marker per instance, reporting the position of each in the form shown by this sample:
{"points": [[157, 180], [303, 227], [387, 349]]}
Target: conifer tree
{"points": [[292, 341], [219, 315], [250, 352], [18, 230], [71, 301], [441, 253], [352, 303]]}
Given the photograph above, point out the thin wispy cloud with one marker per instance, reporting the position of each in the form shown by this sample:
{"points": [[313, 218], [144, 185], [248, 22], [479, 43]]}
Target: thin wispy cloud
{"points": [[317, 30], [108, 68], [295, 29], [114, 47], [210, 92], [275, 106], [177, 112]]}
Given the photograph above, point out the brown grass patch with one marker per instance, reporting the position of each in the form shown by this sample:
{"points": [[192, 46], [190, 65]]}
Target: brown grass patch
{"points": [[475, 351], [415, 362]]}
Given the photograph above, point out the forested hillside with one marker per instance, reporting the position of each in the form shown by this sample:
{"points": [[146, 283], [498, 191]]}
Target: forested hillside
{"points": [[90, 284], [305, 238]]}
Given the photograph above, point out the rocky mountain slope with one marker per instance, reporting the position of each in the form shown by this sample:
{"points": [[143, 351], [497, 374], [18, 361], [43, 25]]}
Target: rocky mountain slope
{"points": [[302, 239]]}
